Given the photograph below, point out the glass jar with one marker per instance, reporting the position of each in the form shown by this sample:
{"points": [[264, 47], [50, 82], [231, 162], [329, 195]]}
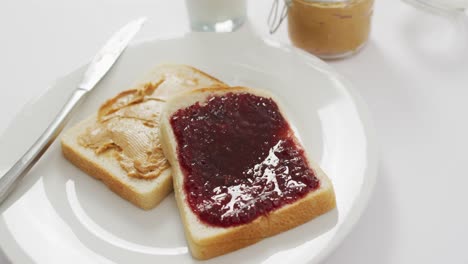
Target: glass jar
{"points": [[330, 28]]}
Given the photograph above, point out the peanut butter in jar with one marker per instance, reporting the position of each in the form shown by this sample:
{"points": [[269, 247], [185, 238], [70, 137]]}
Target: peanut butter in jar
{"points": [[330, 28]]}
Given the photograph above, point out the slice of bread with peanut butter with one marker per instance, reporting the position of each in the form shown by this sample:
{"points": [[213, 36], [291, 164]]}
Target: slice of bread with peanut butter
{"points": [[120, 144]]}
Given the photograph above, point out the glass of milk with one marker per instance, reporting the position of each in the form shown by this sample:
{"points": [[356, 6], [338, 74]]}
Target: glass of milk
{"points": [[216, 15]]}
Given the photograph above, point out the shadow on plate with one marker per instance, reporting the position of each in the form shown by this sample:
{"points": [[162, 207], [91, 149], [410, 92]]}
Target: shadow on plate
{"points": [[373, 237], [375, 231]]}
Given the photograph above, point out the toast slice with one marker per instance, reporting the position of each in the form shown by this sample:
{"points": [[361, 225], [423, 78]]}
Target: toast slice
{"points": [[207, 240], [119, 144]]}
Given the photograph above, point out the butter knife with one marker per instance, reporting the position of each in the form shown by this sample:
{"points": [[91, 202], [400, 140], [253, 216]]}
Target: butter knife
{"points": [[98, 67]]}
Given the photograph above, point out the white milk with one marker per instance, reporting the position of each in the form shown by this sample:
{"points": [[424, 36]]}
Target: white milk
{"points": [[216, 15]]}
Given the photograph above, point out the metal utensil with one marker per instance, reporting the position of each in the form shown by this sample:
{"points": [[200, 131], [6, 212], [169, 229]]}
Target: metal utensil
{"points": [[98, 67]]}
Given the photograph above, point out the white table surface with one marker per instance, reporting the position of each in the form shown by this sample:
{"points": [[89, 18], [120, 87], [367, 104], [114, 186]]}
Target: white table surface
{"points": [[413, 75]]}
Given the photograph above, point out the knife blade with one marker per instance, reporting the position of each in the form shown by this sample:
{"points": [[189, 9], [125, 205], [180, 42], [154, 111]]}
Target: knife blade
{"points": [[97, 69], [109, 53]]}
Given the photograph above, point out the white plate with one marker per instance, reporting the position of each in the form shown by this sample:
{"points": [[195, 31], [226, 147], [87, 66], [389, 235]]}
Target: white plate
{"points": [[60, 215]]}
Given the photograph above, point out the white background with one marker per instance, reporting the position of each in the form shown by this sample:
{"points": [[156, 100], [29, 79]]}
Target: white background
{"points": [[413, 75]]}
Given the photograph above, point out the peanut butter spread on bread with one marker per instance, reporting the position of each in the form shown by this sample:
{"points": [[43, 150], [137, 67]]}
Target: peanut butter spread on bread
{"points": [[126, 125]]}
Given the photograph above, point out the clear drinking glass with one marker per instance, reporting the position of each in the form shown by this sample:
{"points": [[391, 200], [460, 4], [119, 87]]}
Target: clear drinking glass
{"points": [[454, 11], [216, 15], [442, 4]]}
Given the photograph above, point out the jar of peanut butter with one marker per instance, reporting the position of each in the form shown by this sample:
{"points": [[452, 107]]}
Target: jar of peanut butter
{"points": [[329, 28]]}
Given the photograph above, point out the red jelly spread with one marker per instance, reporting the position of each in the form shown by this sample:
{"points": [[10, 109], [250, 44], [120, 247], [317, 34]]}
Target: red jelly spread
{"points": [[239, 159]]}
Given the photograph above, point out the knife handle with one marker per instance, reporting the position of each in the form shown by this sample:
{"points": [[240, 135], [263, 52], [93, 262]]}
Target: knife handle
{"points": [[10, 179]]}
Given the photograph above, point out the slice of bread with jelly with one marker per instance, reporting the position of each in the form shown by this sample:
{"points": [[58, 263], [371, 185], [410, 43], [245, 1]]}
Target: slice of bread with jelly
{"points": [[240, 174], [120, 144]]}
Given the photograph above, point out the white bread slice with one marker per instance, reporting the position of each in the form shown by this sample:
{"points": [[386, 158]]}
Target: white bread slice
{"points": [[207, 241], [144, 193]]}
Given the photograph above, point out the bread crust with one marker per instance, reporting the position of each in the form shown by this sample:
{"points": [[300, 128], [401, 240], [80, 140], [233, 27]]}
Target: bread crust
{"points": [[144, 201], [212, 78], [289, 216]]}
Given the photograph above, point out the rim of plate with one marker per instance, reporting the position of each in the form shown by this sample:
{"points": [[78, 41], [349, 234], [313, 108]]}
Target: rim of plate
{"points": [[370, 176]]}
